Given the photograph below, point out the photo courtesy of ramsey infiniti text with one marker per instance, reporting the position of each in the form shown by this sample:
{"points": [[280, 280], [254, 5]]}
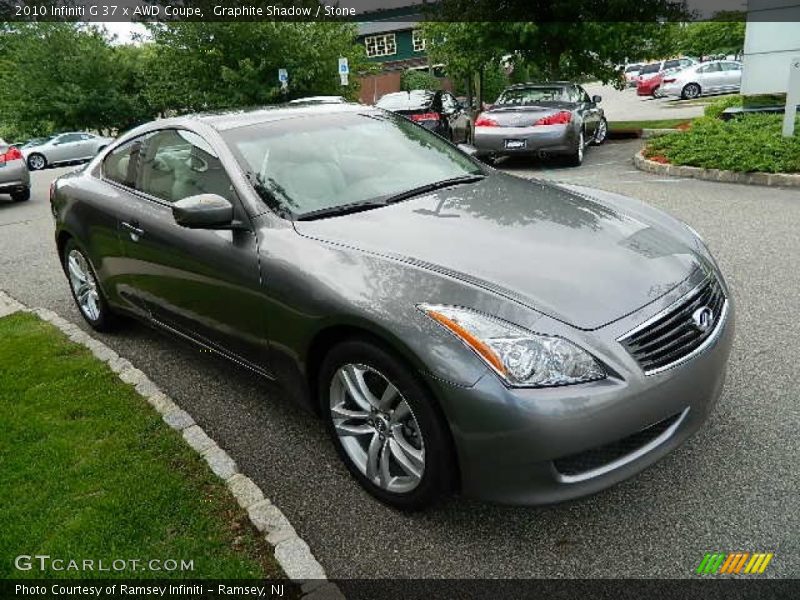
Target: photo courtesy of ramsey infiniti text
{"points": [[458, 329]]}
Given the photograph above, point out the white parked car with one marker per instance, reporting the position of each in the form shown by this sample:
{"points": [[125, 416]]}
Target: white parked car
{"points": [[63, 148], [712, 77]]}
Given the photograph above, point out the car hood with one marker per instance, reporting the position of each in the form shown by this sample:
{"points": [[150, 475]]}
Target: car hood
{"points": [[557, 251]]}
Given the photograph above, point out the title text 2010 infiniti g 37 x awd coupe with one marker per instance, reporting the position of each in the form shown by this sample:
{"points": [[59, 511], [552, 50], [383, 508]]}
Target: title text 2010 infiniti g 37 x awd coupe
{"points": [[454, 326]]}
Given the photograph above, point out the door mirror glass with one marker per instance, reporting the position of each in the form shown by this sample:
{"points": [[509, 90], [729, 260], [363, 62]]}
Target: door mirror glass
{"points": [[203, 211], [597, 99]]}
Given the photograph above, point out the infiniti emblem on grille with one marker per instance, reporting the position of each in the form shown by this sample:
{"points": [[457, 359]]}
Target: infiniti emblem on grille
{"points": [[703, 318]]}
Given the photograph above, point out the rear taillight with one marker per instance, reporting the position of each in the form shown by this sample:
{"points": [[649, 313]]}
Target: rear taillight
{"points": [[11, 154], [428, 116], [560, 118], [484, 121]]}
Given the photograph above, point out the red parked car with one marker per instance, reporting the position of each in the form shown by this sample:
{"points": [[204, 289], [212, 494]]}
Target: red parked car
{"points": [[650, 85]]}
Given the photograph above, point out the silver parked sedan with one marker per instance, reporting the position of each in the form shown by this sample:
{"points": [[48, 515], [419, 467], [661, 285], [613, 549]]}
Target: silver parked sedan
{"points": [[713, 77], [14, 177], [557, 118], [63, 148], [454, 326]]}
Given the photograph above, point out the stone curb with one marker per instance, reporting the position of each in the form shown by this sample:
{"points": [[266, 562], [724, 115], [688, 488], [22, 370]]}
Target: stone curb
{"points": [[292, 553], [719, 175]]}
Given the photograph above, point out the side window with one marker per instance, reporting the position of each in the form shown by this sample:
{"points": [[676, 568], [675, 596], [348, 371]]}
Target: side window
{"points": [[731, 66], [711, 68], [120, 164], [671, 64], [176, 164], [70, 137]]}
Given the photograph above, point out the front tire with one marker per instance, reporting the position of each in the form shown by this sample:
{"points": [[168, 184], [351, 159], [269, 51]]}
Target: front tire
{"points": [[86, 290], [384, 425], [37, 162], [690, 91], [22, 196], [601, 133]]}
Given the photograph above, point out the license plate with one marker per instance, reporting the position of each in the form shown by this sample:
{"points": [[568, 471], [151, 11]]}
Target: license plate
{"points": [[515, 144]]}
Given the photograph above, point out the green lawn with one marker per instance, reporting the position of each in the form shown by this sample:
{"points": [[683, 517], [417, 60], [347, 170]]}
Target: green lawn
{"points": [[655, 124], [88, 470]]}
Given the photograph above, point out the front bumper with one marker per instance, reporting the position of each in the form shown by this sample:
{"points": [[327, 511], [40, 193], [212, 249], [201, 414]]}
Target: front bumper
{"points": [[509, 440], [14, 176], [550, 139]]}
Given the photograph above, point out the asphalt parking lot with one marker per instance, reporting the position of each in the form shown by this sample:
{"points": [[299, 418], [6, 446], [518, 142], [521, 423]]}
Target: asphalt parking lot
{"points": [[625, 105], [732, 487]]}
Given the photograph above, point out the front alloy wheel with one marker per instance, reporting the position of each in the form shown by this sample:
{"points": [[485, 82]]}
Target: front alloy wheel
{"points": [[601, 133], [377, 428], [385, 425], [36, 162]]}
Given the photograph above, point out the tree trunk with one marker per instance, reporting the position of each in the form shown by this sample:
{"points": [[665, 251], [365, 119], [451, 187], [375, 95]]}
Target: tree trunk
{"points": [[480, 89]]}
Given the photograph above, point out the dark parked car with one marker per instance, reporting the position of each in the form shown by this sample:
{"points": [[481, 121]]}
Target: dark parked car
{"points": [[454, 326], [539, 119], [438, 111]]}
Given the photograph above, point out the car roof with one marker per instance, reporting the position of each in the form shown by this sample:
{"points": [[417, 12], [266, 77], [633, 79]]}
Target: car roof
{"points": [[530, 84], [231, 119]]}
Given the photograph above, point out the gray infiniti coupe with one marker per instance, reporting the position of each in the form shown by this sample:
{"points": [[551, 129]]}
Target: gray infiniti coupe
{"points": [[455, 327]]}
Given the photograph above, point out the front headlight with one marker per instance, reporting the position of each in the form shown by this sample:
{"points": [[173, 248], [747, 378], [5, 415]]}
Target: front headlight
{"points": [[519, 356]]}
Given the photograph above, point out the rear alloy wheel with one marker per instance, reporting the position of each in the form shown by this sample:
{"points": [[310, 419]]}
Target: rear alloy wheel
{"points": [[36, 162], [601, 133], [85, 290], [22, 195], [576, 158], [690, 91], [384, 425]]}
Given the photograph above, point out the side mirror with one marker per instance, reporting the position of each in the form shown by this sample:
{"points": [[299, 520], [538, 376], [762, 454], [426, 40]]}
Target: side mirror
{"points": [[203, 211], [468, 149], [597, 99]]}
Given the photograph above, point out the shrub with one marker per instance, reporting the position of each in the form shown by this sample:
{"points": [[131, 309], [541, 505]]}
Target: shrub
{"points": [[413, 79], [715, 109], [750, 143]]}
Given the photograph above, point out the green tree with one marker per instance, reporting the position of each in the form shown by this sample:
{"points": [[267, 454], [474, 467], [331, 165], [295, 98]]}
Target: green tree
{"points": [[724, 34], [57, 76], [211, 65], [414, 79]]}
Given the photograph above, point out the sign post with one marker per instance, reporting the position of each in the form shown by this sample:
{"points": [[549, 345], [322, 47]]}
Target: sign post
{"points": [[283, 77], [792, 97], [344, 70]]}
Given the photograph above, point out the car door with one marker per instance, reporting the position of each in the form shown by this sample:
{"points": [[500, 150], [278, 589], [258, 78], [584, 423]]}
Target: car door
{"points": [[731, 75], [455, 117], [202, 284], [67, 147], [590, 111], [711, 78]]}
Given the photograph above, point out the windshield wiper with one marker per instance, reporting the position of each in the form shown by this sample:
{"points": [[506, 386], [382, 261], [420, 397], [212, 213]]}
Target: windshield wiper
{"points": [[430, 187], [342, 209]]}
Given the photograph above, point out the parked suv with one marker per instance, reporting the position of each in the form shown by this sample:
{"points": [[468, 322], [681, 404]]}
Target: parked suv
{"points": [[14, 176]]}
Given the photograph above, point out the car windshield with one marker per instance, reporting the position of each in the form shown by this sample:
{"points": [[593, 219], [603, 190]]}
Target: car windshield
{"points": [[654, 68], [413, 100], [322, 162], [533, 95], [37, 141]]}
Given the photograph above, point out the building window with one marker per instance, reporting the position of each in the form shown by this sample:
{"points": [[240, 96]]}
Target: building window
{"points": [[418, 41], [380, 45]]}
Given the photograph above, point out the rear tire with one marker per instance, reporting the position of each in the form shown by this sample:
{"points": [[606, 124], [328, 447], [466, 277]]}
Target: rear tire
{"points": [[391, 422], [36, 162], [85, 289], [575, 159], [22, 196], [690, 91]]}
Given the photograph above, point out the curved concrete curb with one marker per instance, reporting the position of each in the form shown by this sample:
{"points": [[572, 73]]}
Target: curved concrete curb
{"points": [[771, 179], [292, 553]]}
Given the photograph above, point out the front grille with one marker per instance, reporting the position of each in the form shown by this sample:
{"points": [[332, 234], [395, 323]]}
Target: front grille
{"points": [[672, 336], [595, 458]]}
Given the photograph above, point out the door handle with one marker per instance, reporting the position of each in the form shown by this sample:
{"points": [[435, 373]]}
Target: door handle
{"points": [[134, 231]]}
